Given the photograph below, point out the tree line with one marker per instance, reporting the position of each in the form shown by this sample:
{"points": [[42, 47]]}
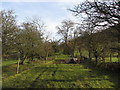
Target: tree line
{"points": [[97, 33], [24, 41]]}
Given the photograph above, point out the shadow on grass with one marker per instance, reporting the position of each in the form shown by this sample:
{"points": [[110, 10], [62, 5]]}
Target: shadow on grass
{"points": [[45, 69], [92, 74], [112, 75]]}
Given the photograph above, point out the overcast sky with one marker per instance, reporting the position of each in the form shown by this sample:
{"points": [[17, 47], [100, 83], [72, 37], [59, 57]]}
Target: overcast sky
{"points": [[51, 12]]}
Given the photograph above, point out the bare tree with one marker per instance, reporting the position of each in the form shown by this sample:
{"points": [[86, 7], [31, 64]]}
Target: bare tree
{"points": [[106, 14], [65, 31], [9, 30], [47, 48], [28, 40]]}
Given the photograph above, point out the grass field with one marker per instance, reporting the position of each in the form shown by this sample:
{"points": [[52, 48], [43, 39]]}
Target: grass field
{"points": [[59, 76], [61, 56], [8, 62], [49, 75], [107, 59]]}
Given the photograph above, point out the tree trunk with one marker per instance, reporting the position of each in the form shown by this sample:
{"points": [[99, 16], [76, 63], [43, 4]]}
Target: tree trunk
{"points": [[32, 57], [80, 54], [110, 57], [90, 56], [46, 57], [18, 65], [73, 52], [23, 60], [29, 61], [103, 60], [96, 59]]}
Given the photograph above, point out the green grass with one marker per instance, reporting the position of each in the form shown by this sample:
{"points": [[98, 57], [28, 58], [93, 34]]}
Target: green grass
{"points": [[114, 59], [107, 59], [60, 76], [11, 69], [49, 75], [8, 62], [84, 53]]}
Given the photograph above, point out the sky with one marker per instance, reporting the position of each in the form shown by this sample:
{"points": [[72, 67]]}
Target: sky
{"points": [[51, 12]]}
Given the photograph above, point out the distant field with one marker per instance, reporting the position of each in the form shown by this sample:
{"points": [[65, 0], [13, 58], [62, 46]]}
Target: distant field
{"points": [[84, 53], [107, 59], [62, 56], [114, 59]]}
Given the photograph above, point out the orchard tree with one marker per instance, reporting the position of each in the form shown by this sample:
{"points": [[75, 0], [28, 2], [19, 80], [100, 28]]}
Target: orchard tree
{"points": [[86, 29], [9, 30], [56, 45], [28, 41], [65, 31], [106, 13], [47, 48]]}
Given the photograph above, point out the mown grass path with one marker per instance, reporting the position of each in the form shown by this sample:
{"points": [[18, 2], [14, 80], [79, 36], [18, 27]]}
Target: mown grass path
{"points": [[59, 76]]}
